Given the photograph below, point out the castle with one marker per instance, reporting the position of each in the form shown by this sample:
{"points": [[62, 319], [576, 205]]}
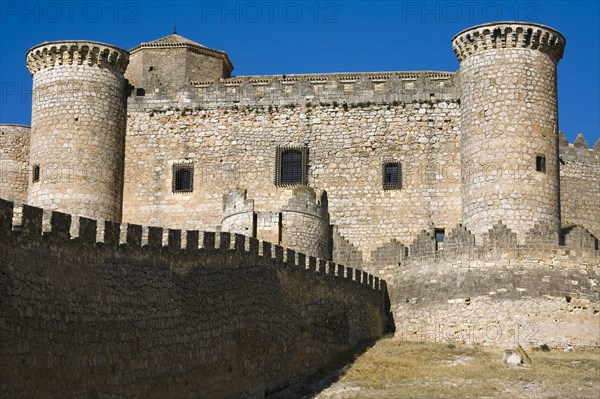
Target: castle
{"points": [[454, 187]]}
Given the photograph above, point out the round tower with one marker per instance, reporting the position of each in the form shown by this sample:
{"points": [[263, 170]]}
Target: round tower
{"points": [[509, 125], [78, 124]]}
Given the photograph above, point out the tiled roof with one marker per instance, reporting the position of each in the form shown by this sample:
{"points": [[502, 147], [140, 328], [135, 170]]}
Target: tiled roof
{"points": [[174, 40]]}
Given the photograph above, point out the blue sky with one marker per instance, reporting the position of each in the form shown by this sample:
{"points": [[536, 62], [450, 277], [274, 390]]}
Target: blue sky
{"points": [[284, 37]]}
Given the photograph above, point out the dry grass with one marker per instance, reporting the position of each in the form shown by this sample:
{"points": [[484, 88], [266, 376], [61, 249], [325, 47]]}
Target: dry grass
{"points": [[398, 369]]}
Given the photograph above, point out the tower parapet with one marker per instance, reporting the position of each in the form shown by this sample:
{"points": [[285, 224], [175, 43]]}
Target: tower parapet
{"points": [[77, 52], [499, 35], [78, 123], [509, 125]]}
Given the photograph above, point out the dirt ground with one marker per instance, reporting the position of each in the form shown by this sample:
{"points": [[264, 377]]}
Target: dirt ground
{"points": [[397, 369]]}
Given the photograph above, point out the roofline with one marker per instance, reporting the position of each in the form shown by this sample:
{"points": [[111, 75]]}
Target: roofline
{"points": [[198, 47]]}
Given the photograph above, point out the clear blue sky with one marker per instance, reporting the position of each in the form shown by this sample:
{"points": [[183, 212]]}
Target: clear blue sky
{"points": [[284, 37]]}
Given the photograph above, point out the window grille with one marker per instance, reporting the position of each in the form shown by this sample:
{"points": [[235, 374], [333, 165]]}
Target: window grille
{"points": [[392, 176], [540, 163], [183, 178], [291, 165]]}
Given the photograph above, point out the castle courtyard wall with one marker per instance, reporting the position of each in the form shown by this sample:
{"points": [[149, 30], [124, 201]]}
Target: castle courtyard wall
{"points": [[227, 316]]}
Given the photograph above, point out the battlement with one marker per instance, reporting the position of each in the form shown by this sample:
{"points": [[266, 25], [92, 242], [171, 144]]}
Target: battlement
{"points": [[579, 147], [498, 35], [77, 52], [344, 89], [31, 223], [223, 306], [304, 200], [541, 243]]}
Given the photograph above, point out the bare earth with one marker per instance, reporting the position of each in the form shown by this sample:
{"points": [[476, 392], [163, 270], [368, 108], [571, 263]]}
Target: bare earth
{"points": [[398, 369]]}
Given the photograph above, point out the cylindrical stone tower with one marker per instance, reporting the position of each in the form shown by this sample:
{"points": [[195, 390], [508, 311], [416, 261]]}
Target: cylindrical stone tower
{"points": [[509, 125], [78, 124]]}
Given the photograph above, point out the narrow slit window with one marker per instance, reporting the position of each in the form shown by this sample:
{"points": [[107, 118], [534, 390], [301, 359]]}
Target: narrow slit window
{"points": [[440, 236], [392, 176], [35, 174], [540, 163], [183, 178], [291, 166]]}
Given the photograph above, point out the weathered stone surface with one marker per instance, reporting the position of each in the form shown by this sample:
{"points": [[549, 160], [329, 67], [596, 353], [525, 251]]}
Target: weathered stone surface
{"points": [[79, 319]]}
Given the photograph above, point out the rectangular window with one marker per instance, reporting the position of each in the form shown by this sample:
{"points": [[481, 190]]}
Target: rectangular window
{"points": [[183, 178], [35, 174], [291, 166], [392, 176], [540, 163], [440, 235]]}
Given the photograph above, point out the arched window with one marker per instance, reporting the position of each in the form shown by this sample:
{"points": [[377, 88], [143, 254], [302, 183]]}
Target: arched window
{"points": [[183, 178]]}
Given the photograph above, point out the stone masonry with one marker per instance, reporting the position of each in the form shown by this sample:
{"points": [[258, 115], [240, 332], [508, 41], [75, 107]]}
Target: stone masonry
{"points": [[456, 188]]}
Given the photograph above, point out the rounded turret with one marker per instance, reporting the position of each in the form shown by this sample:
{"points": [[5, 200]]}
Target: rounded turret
{"points": [[78, 124], [509, 125], [305, 223]]}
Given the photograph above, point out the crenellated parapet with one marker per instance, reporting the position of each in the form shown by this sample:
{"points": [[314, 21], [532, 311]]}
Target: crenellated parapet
{"points": [[499, 35], [344, 89], [31, 223], [500, 243], [77, 52], [501, 292], [92, 293]]}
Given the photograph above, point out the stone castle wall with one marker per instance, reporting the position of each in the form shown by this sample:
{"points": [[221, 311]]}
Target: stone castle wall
{"points": [[580, 184], [294, 90], [14, 162], [78, 122], [509, 118], [501, 292], [347, 146], [109, 310]]}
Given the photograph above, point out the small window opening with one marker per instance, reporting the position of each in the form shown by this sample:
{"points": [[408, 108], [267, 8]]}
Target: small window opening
{"points": [[183, 178], [291, 166], [440, 235], [35, 175], [140, 92], [540, 163], [392, 176], [150, 68]]}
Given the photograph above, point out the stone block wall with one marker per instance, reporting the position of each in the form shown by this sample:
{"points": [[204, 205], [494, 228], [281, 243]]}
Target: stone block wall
{"points": [[501, 292], [305, 223], [347, 147], [133, 315], [78, 126], [509, 125], [14, 162], [580, 184], [238, 213]]}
